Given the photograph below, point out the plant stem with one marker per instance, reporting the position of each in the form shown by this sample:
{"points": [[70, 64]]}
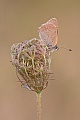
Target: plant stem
{"points": [[39, 106]]}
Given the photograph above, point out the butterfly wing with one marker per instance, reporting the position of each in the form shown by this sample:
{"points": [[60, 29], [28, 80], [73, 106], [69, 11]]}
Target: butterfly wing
{"points": [[48, 32]]}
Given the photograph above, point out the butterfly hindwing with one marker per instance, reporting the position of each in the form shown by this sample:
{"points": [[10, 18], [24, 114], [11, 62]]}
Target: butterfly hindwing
{"points": [[48, 32]]}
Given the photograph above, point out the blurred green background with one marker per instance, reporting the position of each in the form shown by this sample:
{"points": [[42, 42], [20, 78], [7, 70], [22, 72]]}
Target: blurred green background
{"points": [[19, 20]]}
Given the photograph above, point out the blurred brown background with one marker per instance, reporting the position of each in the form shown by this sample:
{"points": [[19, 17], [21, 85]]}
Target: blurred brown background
{"points": [[19, 20]]}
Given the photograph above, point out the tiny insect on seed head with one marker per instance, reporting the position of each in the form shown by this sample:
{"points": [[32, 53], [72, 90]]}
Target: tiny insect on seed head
{"points": [[48, 32]]}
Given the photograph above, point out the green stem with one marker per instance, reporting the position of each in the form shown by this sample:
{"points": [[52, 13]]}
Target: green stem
{"points": [[39, 106]]}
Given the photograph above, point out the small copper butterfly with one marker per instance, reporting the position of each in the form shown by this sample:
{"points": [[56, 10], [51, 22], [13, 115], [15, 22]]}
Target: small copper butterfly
{"points": [[48, 32]]}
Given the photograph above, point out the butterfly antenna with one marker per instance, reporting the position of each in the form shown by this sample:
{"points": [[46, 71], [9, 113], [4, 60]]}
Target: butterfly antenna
{"points": [[66, 48]]}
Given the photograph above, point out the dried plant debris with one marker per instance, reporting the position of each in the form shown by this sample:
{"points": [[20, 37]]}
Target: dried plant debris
{"points": [[32, 61]]}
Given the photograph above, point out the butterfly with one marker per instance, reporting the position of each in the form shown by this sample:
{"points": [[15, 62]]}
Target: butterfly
{"points": [[48, 32]]}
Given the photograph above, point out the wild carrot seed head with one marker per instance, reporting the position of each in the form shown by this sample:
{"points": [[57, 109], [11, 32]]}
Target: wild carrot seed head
{"points": [[32, 60]]}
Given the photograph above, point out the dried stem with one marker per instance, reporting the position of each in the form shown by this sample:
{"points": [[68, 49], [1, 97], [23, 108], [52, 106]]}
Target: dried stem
{"points": [[39, 106]]}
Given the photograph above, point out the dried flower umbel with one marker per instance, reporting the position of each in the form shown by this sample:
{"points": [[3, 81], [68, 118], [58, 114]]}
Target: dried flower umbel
{"points": [[32, 61]]}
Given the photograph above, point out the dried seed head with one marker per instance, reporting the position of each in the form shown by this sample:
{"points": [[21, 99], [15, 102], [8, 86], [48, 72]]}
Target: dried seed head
{"points": [[32, 61]]}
